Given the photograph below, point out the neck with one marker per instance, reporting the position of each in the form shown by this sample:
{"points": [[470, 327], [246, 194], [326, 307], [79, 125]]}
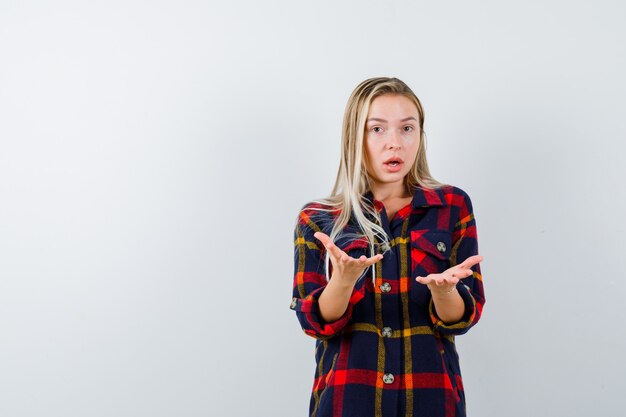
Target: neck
{"points": [[384, 192]]}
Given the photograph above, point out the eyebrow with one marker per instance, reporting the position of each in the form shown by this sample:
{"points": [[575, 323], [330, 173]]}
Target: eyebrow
{"points": [[376, 119]]}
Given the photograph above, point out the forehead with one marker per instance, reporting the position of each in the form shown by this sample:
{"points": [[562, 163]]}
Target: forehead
{"points": [[391, 107]]}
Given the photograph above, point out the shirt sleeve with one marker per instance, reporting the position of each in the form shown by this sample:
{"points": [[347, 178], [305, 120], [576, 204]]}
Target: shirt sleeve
{"points": [[464, 245], [310, 280]]}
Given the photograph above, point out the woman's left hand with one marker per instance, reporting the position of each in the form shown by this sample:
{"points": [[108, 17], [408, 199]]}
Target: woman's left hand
{"points": [[446, 281]]}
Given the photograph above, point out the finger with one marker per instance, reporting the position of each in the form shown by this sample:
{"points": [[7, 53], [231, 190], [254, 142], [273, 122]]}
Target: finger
{"points": [[365, 262], [471, 261], [328, 244], [450, 280], [423, 280], [362, 261], [322, 237], [431, 278], [460, 273], [336, 253], [372, 260]]}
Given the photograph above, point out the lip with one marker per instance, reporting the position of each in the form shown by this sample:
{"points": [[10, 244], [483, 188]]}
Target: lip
{"points": [[396, 168], [394, 158]]}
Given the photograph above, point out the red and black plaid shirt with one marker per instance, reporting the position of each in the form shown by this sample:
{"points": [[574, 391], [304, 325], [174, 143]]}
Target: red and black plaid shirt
{"points": [[389, 354]]}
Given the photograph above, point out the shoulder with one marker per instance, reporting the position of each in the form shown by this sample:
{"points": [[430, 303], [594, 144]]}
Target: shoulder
{"points": [[317, 209], [456, 196], [461, 205], [317, 216]]}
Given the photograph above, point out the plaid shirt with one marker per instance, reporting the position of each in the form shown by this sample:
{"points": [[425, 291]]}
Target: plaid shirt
{"points": [[389, 354]]}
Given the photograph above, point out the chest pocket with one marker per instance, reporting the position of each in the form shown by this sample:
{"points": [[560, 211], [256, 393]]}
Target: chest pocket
{"points": [[430, 251]]}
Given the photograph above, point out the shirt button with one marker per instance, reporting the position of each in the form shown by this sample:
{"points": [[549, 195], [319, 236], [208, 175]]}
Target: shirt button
{"points": [[441, 247], [385, 287], [388, 378], [387, 332]]}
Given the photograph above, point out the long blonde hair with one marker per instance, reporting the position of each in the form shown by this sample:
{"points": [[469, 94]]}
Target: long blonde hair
{"points": [[353, 182]]}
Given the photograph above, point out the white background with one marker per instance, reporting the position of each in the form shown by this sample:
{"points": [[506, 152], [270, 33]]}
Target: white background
{"points": [[154, 154]]}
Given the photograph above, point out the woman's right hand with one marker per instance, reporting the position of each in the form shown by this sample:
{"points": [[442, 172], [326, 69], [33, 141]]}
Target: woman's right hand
{"points": [[345, 266]]}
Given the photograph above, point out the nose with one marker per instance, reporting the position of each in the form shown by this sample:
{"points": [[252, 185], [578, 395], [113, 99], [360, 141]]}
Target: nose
{"points": [[394, 141]]}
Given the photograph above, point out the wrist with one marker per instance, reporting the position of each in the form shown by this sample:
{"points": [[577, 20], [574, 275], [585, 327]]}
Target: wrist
{"points": [[443, 292], [342, 281]]}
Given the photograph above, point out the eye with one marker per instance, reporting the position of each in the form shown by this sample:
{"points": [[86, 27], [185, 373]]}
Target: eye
{"points": [[408, 128], [377, 129]]}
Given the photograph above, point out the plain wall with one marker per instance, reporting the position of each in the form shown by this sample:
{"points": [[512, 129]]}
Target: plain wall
{"points": [[154, 155]]}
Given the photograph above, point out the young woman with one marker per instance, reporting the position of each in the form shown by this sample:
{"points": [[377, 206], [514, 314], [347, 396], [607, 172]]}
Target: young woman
{"points": [[387, 269]]}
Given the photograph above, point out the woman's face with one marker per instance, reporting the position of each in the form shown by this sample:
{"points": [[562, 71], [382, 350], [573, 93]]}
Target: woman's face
{"points": [[392, 138]]}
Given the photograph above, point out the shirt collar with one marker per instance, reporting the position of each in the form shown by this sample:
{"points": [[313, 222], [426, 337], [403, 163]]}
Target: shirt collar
{"points": [[422, 197]]}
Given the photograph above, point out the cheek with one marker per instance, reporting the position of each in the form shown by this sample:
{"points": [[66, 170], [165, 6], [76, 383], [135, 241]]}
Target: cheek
{"points": [[414, 149], [371, 161], [370, 152]]}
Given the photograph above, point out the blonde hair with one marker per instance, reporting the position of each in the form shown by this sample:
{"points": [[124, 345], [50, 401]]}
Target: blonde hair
{"points": [[353, 182]]}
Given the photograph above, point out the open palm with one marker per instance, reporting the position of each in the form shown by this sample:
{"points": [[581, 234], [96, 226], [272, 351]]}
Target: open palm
{"points": [[447, 280], [347, 267]]}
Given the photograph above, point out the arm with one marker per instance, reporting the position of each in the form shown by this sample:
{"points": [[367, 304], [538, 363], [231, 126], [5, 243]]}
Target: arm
{"points": [[457, 293], [335, 297], [346, 271], [324, 308], [448, 304]]}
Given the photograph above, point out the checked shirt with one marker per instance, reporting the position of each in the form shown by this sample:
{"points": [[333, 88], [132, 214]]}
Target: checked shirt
{"points": [[389, 354]]}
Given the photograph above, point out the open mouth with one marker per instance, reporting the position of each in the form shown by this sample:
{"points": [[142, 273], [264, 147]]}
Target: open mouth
{"points": [[393, 162]]}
